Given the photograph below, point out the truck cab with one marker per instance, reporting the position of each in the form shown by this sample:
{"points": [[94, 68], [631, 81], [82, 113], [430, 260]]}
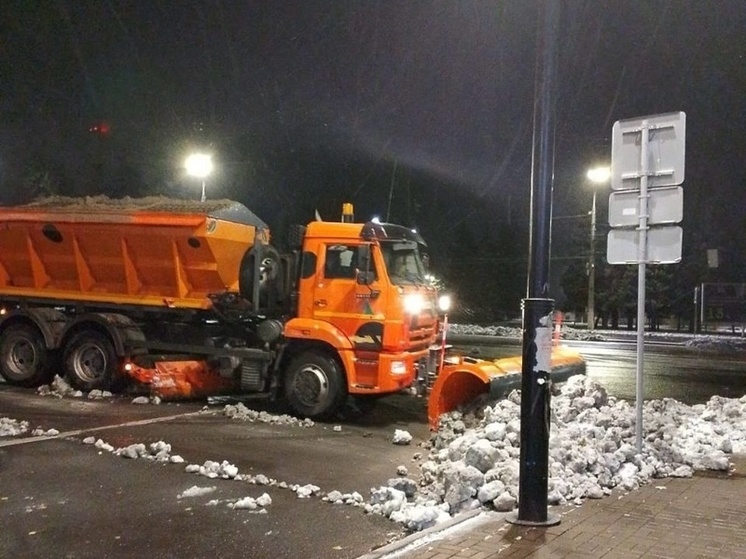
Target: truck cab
{"points": [[364, 302]]}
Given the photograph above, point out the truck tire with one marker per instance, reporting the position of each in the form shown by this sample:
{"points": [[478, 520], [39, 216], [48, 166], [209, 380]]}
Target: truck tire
{"points": [[24, 357], [315, 386], [90, 361]]}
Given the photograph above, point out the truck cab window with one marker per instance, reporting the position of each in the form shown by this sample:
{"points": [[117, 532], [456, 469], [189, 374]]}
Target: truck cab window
{"points": [[403, 262], [341, 262]]}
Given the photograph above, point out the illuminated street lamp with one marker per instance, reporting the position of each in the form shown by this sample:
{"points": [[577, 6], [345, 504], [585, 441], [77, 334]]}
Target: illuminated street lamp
{"points": [[597, 175], [199, 165]]}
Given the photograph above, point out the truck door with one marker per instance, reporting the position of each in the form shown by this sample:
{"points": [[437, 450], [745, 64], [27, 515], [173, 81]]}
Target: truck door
{"points": [[338, 298], [357, 310]]}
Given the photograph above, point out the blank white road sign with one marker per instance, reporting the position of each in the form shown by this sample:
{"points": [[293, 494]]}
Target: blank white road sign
{"points": [[664, 153], [665, 206], [664, 245]]}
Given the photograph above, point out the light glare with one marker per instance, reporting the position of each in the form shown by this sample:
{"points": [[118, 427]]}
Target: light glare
{"points": [[198, 165], [599, 174], [444, 303]]}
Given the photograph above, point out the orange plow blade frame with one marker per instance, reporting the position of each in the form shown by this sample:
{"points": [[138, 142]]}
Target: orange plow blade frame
{"points": [[460, 383]]}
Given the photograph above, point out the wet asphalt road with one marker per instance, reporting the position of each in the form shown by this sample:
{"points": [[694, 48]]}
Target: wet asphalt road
{"points": [[62, 498], [689, 375]]}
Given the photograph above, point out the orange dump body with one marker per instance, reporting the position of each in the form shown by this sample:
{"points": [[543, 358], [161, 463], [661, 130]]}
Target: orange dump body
{"points": [[150, 251]]}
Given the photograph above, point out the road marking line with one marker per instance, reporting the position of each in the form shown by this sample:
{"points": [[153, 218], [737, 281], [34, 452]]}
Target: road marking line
{"points": [[67, 434]]}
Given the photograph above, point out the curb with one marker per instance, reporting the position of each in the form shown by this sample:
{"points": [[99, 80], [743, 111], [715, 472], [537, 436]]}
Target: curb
{"points": [[467, 520]]}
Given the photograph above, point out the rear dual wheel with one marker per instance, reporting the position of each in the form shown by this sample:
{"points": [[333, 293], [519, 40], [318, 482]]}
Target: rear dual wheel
{"points": [[24, 357], [90, 361]]}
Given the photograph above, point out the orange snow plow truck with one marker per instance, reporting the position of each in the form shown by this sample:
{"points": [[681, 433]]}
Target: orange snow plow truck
{"points": [[191, 299]]}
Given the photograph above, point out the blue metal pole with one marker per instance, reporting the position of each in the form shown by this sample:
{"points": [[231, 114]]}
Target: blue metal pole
{"points": [[538, 307]]}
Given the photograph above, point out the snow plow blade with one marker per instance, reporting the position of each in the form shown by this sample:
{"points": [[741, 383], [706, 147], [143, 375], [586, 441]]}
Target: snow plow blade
{"points": [[462, 380]]}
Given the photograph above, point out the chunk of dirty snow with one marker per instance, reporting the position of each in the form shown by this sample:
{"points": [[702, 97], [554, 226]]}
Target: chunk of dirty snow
{"points": [[306, 491], [264, 500], [245, 503], [38, 432], [196, 491], [401, 437], [101, 445], [12, 427]]}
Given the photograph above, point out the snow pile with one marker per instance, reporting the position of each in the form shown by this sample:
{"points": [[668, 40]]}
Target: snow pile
{"points": [[338, 498], [12, 427], [212, 469], [252, 504], [39, 432], [721, 344], [475, 330], [306, 491], [156, 452], [240, 411], [144, 400], [99, 394], [475, 456], [512, 332], [59, 388]]}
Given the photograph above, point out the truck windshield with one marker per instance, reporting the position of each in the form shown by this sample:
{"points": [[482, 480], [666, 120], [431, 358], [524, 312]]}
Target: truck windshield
{"points": [[403, 262]]}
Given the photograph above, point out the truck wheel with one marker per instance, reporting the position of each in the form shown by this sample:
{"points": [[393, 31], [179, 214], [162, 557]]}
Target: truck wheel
{"points": [[90, 361], [315, 386], [24, 358]]}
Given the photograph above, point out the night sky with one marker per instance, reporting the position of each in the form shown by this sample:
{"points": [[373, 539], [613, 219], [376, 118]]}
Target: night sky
{"points": [[419, 111]]}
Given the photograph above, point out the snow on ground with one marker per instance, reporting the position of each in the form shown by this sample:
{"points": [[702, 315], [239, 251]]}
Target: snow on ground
{"points": [[59, 388], [196, 491], [12, 427], [241, 412], [473, 460], [703, 342]]}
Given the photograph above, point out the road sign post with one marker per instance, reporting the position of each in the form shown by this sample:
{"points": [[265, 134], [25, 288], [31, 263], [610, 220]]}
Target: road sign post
{"points": [[647, 155]]}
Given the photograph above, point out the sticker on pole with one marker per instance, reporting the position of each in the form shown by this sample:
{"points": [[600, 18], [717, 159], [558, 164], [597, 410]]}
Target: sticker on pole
{"points": [[543, 349]]}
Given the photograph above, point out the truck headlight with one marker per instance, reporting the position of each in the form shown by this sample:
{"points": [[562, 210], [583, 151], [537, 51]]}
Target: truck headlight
{"points": [[444, 303], [413, 303]]}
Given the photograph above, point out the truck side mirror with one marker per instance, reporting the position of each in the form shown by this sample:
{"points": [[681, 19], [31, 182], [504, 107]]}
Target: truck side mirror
{"points": [[365, 276], [426, 261]]}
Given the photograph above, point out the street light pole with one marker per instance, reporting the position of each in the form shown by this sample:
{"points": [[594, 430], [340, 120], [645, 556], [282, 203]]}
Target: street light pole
{"points": [[592, 269], [597, 175], [199, 165]]}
